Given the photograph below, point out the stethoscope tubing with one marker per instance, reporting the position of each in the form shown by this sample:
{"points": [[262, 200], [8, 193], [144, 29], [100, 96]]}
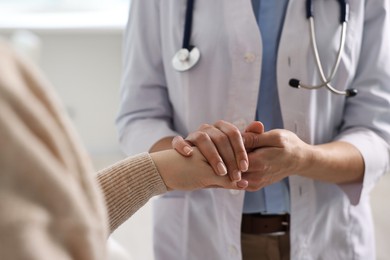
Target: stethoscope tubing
{"points": [[188, 56], [344, 16], [326, 81], [188, 25]]}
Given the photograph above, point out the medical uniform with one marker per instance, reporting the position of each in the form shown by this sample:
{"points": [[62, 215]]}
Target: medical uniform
{"points": [[328, 221]]}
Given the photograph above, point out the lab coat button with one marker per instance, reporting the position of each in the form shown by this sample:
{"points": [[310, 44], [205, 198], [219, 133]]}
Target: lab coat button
{"points": [[249, 57], [233, 250], [235, 192]]}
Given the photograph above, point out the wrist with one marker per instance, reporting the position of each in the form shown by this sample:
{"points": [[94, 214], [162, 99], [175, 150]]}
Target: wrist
{"points": [[163, 161], [164, 143], [307, 162]]}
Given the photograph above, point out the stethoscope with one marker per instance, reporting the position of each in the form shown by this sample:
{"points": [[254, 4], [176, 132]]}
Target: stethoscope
{"points": [[344, 15], [188, 56]]}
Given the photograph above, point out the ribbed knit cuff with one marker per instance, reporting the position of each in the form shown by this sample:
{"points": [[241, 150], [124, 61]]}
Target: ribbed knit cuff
{"points": [[128, 185]]}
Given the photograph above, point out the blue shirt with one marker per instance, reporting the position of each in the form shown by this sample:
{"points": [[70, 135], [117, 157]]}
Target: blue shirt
{"points": [[275, 198]]}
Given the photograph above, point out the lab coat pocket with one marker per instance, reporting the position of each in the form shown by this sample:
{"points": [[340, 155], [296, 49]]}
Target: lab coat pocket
{"points": [[168, 226]]}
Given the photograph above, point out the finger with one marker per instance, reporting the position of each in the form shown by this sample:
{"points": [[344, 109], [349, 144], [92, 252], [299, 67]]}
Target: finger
{"points": [[228, 184], [273, 138], [242, 184], [255, 181], [255, 127], [181, 146], [216, 147], [250, 135], [236, 142], [226, 151], [251, 140], [258, 161], [209, 150]]}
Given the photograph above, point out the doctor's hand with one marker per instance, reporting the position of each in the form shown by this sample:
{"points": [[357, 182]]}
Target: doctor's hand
{"points": [[222, 145], [190, 173], [275, 155]]}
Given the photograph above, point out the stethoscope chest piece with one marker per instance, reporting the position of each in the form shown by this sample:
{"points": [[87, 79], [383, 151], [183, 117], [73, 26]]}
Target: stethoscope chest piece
{"points": [[185, 59]]}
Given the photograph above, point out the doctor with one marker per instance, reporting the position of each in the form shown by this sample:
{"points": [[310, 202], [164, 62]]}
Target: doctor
{"points": [[241, 71]]}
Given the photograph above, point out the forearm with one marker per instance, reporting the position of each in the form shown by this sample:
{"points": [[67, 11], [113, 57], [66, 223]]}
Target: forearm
{"points": [[336, 162], [128, 185]]}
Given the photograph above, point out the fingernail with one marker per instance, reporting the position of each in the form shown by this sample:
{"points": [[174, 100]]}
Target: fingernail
{"points": [[221, 168], [242, 184], [187, 150], [237, 175], [244, 166]]}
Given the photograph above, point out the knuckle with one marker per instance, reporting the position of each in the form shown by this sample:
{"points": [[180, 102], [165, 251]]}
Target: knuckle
{"points": [[202, 137], [252, 140], [204, 126], [249, 141], [265, 168], [282, 139], [220, 122], [234, 133], [256, 140]]}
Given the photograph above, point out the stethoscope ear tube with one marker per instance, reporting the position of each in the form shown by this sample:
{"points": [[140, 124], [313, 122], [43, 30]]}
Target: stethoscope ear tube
{"points": [[296, 83]]}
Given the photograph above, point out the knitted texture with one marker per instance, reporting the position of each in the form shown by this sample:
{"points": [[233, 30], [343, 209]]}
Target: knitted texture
{"points": [[128, 185]]}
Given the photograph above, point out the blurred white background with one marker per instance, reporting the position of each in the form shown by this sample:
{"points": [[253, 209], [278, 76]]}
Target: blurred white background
{"points": [[78, 45]]}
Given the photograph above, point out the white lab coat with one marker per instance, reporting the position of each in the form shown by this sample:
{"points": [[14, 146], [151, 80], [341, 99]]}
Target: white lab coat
{"points": [[328, 221]]}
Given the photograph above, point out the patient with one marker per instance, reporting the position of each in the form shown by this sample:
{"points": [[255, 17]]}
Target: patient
{"points": [[52, 206]]}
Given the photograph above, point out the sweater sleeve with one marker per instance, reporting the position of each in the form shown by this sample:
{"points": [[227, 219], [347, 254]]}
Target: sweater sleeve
{"points": [[128, 185]]}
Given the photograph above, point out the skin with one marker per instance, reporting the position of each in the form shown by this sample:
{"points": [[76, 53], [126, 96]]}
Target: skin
{"points": [[280, 153], [190, 173], [222, 144]]}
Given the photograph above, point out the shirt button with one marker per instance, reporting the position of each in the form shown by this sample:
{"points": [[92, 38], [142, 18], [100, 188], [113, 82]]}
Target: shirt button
{"points": [[249, 57], [233, 250], [235, 192]]}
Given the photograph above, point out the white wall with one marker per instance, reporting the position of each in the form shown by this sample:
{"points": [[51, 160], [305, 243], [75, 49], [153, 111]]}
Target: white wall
{"points": [[85, 69]]}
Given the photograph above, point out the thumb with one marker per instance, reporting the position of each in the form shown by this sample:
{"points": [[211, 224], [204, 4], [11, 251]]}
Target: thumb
{"points": [[251, 140], [251, 135], [255, 127]]}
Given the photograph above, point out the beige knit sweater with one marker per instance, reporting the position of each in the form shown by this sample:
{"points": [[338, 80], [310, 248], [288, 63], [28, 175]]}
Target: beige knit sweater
{"points": [[51, 206]]}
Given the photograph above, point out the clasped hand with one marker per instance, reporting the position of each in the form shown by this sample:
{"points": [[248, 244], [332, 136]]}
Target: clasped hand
{"points": [[254, 158]]}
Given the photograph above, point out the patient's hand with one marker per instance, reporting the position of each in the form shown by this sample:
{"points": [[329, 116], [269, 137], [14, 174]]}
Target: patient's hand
{"points": [[222, 145], [190, 173]]}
